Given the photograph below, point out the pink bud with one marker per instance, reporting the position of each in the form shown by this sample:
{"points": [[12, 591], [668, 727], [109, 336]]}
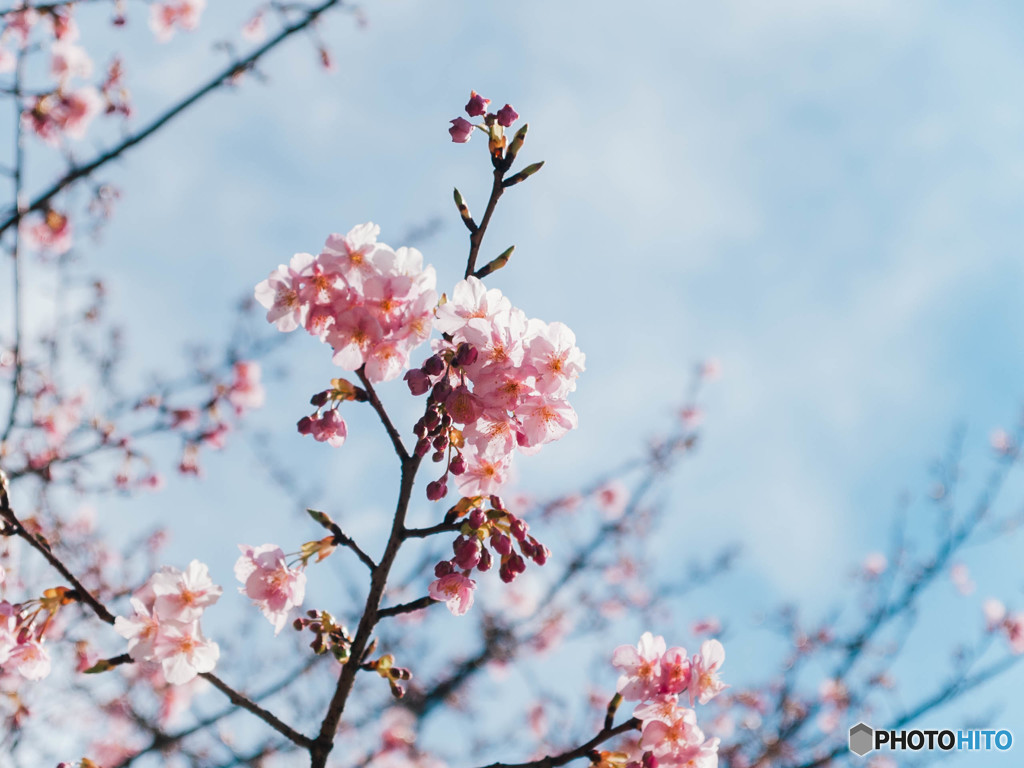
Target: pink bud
{"points": [[305, 426], [461, 130], [443, 568], [507, 116], [466, 355], [437, 490], [477, 518], [467, 553], [517, 527], [434, 366], [477, 105], [457, 467], [502, 544], [418, 382], [485, 560]]}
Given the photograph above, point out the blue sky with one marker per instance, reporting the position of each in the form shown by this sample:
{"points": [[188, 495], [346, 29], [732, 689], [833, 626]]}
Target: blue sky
{"points": [[825, 197]]}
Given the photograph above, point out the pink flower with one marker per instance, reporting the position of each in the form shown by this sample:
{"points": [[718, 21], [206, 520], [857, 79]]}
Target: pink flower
{"points": [[51, 234], [612, 498], [477, 104], [140, 631], [329, 428], [544, 420], [961, 578], [461, 130], [31, 659], [279, 294], [246, 391], [704, 682], [994, 611], [470, 300], [641, 667], [1014, 626], [663, 708], [875, 565], [269, 582], [455, 590], [68, 61], [675, 671], [183, 652], [556, 358], [183, 596], [165, 17], [255, 29], [484, 475], [672, 740], [707, 626]]}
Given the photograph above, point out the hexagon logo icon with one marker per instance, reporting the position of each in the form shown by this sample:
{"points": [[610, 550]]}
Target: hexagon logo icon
{"points": [[862, 739]]}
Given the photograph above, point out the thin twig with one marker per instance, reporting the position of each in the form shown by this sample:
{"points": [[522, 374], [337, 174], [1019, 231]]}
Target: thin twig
{"points": [[222, 78]]}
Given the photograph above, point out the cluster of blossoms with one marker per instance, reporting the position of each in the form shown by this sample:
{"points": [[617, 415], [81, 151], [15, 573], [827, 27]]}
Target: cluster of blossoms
{"points": [[164, 627], [503, 378], [270, 583], [486, 535], [655, 677], [1010, 624], [495, 122], [23, 629], [372, 304], [165, 17]]}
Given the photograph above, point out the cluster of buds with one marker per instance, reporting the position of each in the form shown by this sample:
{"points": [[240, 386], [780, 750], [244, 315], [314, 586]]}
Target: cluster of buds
{"points": [[328, 635], [494, 123], [436, 431], [326, 424], [385, 667], [487, 535]]}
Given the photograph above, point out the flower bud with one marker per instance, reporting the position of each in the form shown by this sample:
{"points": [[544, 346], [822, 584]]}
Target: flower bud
{"points": [[457, 466], [477, 105], [443, 568], [517, 527], [441, 442], [466, 355], [437, 490], [418, 382], [434, 366], [432, 419], [477, 518], [319, 400], [507, 115], [502, 544], [420, 428], [467, 553], [438, 456], [305, 425], [441, 391], [422, 447], [485, 560], [461, 130]]}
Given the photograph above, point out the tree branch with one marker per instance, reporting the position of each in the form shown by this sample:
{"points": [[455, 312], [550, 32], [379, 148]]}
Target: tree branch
{"points": [[222, 78], [378, 406]]}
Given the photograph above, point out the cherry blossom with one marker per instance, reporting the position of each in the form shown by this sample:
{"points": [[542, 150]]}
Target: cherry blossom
{"points": [[641, 667], [372, 304], [455, 590], [164, 625], [269, 582], [704, 683], [165, 17], [183, 652], [183, 596]]}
